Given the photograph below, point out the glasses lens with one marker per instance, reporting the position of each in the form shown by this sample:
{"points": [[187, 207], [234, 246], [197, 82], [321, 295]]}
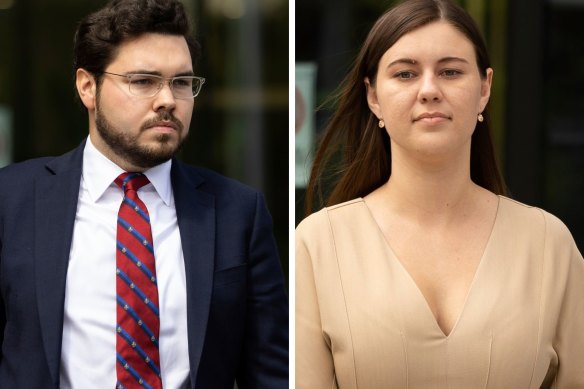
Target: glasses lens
{"points": [[184, 87], [144, 85], [197, 85]]}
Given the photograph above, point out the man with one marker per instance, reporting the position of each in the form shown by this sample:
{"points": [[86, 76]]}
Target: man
{"points": [[121, 266]]}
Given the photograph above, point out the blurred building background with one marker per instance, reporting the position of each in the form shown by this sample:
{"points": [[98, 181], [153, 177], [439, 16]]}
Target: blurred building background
{"points": [[537, 100], [240, 122]]}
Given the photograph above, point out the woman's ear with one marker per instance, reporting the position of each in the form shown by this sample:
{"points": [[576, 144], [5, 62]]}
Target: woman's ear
{"points": [[486, 89], [372, 99], [86, 87]]}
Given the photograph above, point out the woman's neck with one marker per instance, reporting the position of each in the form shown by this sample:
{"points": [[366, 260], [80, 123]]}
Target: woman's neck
{"points": [[439, 190]]}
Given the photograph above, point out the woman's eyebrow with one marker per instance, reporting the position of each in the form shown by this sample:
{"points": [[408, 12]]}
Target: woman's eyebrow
{"points": [[410, 61], [407, 61], [452, 59]]}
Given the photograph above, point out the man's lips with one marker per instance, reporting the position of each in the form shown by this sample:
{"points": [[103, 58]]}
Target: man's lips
{"points": [[163, 126]]}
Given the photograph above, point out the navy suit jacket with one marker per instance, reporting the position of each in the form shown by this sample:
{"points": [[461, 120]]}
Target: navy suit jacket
{"points": [[237, 308]]}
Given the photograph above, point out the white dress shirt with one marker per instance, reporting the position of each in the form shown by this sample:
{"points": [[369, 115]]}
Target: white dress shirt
{"points": [[88, 356]]}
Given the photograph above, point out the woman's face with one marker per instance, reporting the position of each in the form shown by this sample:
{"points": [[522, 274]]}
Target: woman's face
{"points": [[429, 91]]}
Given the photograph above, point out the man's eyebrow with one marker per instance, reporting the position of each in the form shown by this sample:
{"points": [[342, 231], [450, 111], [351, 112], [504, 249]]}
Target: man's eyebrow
{"points": [[157, 73], [410, 61], [189, 73]]}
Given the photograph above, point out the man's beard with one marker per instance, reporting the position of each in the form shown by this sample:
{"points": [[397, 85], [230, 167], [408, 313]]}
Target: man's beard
{"points": [[127, 146]]}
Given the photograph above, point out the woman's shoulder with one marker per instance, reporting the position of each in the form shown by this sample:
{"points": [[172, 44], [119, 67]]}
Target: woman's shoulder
{"points": [[523, 217], [337, 228], [349, 217], [345, 209]]}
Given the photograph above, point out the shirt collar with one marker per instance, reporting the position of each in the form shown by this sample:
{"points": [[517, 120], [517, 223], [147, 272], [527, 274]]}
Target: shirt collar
{"points": [[99, 174]]}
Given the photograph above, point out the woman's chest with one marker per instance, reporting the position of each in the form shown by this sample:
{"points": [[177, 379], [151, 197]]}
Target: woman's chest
{"points": [[383, 333]]}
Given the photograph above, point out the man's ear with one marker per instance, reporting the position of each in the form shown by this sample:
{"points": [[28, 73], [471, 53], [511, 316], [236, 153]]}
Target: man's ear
{"points": [[372, 99], [86, 87]]}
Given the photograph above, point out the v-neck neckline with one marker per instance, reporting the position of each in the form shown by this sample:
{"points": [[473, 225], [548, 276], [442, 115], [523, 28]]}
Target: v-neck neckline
{"points": [[477, 274]]}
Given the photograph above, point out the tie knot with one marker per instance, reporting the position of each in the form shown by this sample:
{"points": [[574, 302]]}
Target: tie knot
{"points": [[131, 181]]}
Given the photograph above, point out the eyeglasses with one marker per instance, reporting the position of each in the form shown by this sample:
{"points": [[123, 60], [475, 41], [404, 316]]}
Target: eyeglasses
{"points": [[148, 85]]}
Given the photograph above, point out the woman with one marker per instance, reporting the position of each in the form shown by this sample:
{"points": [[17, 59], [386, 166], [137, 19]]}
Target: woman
{"points": [[420, 273]]}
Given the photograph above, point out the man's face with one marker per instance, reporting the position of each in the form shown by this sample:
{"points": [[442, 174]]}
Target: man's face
{"points": [[135, 132]]}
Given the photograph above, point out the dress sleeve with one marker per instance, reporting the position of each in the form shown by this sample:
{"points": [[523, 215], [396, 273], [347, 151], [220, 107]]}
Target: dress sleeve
{"points": [[314, 362], [569, 339]]}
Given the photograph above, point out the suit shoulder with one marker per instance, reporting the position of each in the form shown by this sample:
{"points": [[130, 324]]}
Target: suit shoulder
{"points": [[25, 168], [217, 179], [21, 175], [226, 191]]}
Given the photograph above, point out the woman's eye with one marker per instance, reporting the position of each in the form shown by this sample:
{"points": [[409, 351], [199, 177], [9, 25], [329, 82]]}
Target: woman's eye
{"points": [[406, 75], [450, 73]]}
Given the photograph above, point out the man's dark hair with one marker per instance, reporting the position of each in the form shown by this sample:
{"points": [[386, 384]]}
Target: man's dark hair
{"points": [[99, 34]]}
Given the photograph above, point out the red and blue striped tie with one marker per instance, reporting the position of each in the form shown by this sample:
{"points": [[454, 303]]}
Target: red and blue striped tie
{"points": [[138, 321]]}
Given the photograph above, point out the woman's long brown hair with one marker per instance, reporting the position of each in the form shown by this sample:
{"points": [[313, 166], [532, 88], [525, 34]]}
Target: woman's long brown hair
{"points": [[354, 155]]}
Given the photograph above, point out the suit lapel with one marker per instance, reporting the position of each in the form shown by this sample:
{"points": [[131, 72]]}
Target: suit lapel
{"points": [[56, 197], [55, 207], [195, 211]]}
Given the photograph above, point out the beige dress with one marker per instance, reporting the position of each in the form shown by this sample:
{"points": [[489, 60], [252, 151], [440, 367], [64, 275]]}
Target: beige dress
{"points": [[361, 321]]}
